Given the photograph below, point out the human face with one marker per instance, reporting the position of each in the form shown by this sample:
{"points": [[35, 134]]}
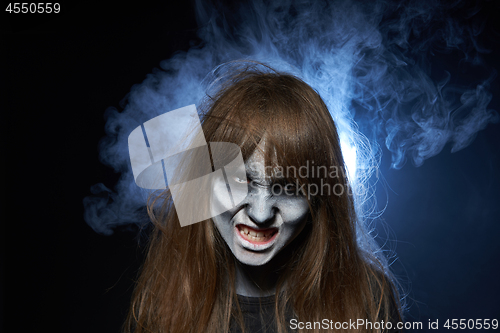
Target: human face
{"points": [[265, 222]]}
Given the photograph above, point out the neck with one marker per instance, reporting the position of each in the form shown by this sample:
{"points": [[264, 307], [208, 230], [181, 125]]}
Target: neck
{"points": [[255, 281], [260, 281]]}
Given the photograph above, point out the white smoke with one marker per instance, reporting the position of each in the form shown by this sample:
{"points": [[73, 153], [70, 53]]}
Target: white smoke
{"points": [[369, 60]]}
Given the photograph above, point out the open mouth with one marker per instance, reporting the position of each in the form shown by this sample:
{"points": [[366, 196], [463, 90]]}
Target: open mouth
{"points": [[255, 236]]}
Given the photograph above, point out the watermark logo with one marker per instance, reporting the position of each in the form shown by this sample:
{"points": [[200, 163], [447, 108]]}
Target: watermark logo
{"points": [[171, 150]]}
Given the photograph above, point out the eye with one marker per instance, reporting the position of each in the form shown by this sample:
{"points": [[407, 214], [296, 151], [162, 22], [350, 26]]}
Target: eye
{"points": [[240, 180], [293, 189]]}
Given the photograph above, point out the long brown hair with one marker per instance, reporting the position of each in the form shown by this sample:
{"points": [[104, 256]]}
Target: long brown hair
{"points": [[187, 283]]}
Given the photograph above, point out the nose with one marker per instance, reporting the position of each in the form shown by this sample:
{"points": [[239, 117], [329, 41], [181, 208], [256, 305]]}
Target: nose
{"points": [[261, 207]]}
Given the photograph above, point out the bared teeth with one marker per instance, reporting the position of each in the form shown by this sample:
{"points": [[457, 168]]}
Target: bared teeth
{"points": [[257, 236]]}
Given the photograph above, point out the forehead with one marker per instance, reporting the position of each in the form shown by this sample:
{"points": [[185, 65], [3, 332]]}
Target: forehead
{"points": [[256, 163]]}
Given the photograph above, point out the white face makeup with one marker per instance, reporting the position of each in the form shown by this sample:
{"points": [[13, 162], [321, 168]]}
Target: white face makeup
{"points": [[263, 223]]}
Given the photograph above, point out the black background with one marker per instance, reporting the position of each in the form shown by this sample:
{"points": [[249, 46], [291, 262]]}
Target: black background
{"points": [[62, 71]]}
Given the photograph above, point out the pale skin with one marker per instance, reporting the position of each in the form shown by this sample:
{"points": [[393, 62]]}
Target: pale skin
{"points": [[259, 229]]}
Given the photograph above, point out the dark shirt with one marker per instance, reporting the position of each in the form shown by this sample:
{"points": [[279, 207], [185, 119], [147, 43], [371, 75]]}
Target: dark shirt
{"points": [[258, 315]]}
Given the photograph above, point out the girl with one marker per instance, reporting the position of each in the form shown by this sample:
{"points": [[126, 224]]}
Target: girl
{"points": [[292, 253]]}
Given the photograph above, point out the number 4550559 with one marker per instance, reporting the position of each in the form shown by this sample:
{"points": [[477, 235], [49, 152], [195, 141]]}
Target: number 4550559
{"points": [[471, 324], [40, 8]]}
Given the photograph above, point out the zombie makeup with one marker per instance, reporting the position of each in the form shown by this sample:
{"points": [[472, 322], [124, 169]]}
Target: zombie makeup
{"points": [[265, 222]]}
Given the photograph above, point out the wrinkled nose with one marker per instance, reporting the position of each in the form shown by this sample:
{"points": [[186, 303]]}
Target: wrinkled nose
{"points": [[261, 207]]}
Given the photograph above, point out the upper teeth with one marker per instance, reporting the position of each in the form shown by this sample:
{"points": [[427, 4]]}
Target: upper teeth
{"points": [[256, 234]]}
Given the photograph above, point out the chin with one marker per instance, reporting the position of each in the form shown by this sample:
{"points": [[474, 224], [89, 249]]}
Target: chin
{"points": [[253, 259]]}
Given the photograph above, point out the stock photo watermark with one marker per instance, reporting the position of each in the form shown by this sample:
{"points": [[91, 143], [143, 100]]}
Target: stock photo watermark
{"points": [[296, 187], [160, 145]]}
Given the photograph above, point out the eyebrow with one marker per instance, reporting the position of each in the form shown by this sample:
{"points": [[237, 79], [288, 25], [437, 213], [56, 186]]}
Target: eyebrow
{"points": [[252, 175]]}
